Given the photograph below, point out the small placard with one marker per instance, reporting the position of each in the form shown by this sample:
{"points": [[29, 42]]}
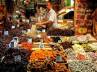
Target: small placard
{"points": [[16, 39], [13, 27], [6, 33], [24, 20], [41, 45], [27, 21], [12, 44], [17, 58], [58, 58], [18, 25], [28, 30], [43, 30], [23, 31], [30, 40], [39, 36]]}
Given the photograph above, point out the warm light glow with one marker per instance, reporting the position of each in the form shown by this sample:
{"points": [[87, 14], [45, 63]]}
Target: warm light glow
{"points": [[46, 0]]}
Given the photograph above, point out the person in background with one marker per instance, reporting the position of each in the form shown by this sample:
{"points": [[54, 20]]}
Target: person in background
{"points": [[94, 19], [51, 21]]}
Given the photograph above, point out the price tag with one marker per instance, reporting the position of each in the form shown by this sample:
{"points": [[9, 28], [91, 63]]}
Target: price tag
{"points": [[23, 31], [6, 33], [13, 27], [18, 25], [30, 40], [27, 21], [28, 30], [11, 44], [58, 58], [16, 39], [17, 58], [41, 45], [24, 20], [43, 30], [39, 36]]}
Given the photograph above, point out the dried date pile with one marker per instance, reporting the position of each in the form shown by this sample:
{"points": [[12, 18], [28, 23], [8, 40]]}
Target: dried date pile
{"points": [[66, 45], [60, 32], [14, 60]]}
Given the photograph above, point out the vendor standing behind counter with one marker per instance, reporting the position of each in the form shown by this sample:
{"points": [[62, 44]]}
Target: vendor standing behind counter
{"points": [[51, 22]]}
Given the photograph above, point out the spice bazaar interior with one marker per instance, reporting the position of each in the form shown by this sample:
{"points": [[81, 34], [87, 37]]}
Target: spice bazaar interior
{"points": [[48, 35]]}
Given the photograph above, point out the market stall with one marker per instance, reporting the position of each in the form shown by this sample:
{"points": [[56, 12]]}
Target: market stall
{"points": [[26, 47]]}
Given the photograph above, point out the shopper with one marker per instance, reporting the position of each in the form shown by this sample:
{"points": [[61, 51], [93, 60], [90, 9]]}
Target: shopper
{"points": [[51, 22]]}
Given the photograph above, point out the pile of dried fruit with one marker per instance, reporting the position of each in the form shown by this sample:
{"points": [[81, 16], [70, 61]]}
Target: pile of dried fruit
{"points": [[41, 55]]}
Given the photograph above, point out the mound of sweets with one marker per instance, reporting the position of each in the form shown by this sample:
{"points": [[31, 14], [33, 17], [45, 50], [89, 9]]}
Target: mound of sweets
{"points": [[42, 54]]}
